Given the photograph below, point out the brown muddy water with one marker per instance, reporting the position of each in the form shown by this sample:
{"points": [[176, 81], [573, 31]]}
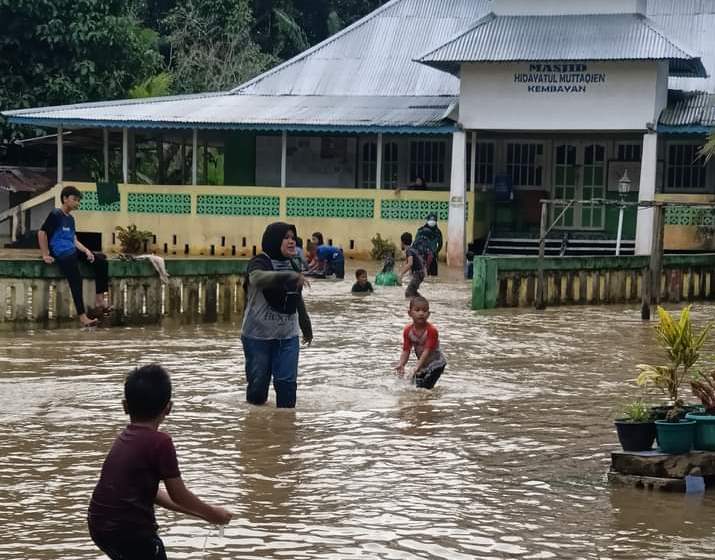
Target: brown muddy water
{"points": [[504, 459]]}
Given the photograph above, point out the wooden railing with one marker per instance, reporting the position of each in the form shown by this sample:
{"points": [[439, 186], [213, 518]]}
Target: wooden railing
{"points": [[35, 295]]}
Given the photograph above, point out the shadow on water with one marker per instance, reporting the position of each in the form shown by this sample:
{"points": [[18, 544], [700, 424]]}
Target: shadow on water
{"points": [[504, 459]]}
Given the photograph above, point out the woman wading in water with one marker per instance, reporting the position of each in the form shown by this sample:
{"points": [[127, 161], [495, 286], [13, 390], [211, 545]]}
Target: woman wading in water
{"points": [[274, 317]]}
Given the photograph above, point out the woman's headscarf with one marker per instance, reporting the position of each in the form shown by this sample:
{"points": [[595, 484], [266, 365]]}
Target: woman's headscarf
{"points": [[273, 239]]}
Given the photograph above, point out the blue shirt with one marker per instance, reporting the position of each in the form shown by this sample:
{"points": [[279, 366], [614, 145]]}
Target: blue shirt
{"points": [[60, 230], [329, 253]]}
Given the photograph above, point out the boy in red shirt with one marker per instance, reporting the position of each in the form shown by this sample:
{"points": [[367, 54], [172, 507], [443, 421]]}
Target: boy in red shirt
{"points": [[121, 513], [424, 338]]}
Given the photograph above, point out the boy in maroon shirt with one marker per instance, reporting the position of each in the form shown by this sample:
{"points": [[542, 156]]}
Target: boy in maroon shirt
{"points": [[121, 513]]}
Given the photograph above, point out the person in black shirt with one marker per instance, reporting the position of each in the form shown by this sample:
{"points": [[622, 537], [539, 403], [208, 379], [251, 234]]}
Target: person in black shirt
{"points": [[58, 243], [413, 264], [362, 285]]}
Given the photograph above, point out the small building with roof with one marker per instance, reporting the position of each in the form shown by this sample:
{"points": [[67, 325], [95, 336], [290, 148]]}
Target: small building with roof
{"points": [[495, 104]]}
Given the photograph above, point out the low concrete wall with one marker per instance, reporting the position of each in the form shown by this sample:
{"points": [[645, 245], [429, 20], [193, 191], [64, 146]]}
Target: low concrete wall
{"points": [[36, 295], [511, 281]]}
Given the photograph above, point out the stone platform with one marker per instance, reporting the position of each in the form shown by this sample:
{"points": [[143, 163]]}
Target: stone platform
{"points": [[655, 470]]}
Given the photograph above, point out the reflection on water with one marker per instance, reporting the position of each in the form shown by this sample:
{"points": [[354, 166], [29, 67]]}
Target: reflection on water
{"points": [[504, 459]]}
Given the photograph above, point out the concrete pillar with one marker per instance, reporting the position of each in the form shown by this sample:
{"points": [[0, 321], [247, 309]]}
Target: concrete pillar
{"points": [[473, 161], [457, 202], [378, 174], [60, 155], [284, 158], [125, 155], [194, 157], [105, 139], [646, 191]]}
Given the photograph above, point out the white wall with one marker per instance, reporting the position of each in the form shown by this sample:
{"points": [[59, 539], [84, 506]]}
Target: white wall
{"points": [[618, 96], [550, 7]]}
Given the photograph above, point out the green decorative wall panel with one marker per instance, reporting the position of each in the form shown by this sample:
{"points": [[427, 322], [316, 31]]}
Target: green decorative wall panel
{"points": [[688, 216], [330, 207], [159, 203], [413, 209], [237, 205], [89, 204]]}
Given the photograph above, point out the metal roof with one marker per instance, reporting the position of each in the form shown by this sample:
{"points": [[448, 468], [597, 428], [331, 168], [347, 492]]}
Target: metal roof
{"points": [[566, 37], [694, 110], [255, 112], [374, 56]]}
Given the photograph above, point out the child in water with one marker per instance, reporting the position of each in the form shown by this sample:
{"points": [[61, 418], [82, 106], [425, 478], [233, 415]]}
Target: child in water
{"points": [[121, 513], [424, 338], [362, 284]]}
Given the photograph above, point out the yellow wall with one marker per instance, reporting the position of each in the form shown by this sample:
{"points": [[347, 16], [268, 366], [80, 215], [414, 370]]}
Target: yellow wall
{"points": [[681, 229], [201, 231]]}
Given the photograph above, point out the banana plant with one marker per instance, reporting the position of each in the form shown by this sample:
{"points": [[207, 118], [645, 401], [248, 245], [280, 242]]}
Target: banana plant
{"points": [[682, 345]]}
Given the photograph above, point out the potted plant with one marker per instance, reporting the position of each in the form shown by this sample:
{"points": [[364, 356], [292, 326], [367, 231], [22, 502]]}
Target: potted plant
{"points": [[636, 429], [703, 387], [682, 346], [132, 239]]}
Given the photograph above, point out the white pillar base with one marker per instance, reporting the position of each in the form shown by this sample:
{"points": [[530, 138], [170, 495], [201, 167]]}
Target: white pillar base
{"points": [[456, 226], [646, 191]]}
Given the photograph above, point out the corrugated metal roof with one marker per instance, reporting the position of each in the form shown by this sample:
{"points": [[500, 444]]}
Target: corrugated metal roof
{"points": [[250, 111], [691, 108], [375, 55], [568, 37]]}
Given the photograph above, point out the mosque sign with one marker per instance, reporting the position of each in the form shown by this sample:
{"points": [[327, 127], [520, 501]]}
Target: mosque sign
{"points": [[555, 78]]}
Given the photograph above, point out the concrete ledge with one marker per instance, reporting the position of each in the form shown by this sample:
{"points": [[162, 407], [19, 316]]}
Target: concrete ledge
{"points": [[647, 482], [661, 465]]}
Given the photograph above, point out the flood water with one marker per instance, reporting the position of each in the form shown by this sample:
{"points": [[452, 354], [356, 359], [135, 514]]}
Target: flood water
{"points": [[506, 458]]}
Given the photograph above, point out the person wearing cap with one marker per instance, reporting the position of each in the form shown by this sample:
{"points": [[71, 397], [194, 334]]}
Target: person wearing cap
{"points": [[274, 317], [429, 237]]}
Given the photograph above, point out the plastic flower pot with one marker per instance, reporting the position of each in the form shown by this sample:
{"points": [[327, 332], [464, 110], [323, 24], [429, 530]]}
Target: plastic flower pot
{"points": [[704, 430], [675, 437], [635, 436]]}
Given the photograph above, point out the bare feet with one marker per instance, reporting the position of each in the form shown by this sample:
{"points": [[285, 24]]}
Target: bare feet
{"points": [[86, 321]]}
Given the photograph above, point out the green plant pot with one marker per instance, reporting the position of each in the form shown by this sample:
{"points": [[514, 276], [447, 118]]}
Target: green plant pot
{"points": [[675, 437], [704, 430]]}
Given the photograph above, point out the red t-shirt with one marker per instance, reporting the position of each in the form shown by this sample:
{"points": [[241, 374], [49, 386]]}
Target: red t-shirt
{"points": [[123, 500], [427, 340]]}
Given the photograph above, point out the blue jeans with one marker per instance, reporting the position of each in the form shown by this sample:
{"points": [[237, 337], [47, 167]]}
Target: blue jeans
{"points": [[275, 357]]}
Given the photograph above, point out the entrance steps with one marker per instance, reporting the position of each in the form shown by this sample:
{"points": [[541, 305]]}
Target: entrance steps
{"points": [[557, 246]]}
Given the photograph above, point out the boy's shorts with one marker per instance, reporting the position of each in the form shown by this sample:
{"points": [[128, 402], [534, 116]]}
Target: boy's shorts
{"points": [[130, 547], [428, 380]]}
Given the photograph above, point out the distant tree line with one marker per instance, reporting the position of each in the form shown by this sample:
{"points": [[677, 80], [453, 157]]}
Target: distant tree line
{"points": [[56, 52]]}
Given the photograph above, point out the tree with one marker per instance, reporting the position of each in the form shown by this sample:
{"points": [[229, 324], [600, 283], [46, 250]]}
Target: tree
{"points": [[69, 51], [211, 47]]}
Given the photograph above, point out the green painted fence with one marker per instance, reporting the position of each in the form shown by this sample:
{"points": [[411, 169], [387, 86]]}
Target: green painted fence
{"points": [[511, 281]]}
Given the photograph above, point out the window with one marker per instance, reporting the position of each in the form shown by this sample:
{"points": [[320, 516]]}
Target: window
{"points": [[686, 170], [390, 165], [428, 160], [629, 152], [523, 163], [369, 165], [484, 163]]}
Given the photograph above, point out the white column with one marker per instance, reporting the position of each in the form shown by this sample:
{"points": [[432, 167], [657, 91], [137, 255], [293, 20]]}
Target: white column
{"points": [[60, 155], [378, 174], [194, 157], [457, 206], [473, 161], [646, 191], [284, 158], [125, 155], [105, 138]]}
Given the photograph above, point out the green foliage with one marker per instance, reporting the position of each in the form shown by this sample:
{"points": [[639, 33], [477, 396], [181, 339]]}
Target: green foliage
{"points": [[154, 86], [703, 387], [637, 411], [682, 346], [132, 239], [68, 51], [708, 149], [382, 247]]}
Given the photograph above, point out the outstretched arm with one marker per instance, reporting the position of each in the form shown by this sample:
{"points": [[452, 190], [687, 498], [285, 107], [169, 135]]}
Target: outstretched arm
{"points": [[180, 498], [403, 362], [262, 279], [306, 326], [406, 267]]}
